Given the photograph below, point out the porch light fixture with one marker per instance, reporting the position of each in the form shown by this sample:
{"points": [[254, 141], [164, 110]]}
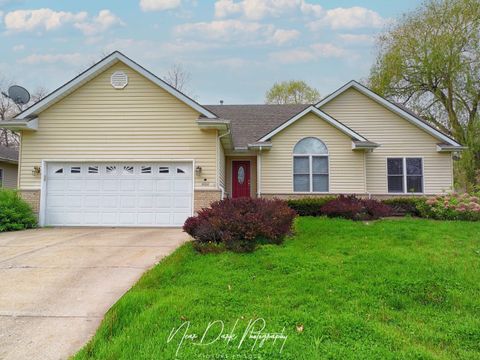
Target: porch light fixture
{"points": [[36, 171], [198, 170]]}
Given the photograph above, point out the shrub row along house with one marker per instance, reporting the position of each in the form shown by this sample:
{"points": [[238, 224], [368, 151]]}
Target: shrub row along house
{"points": [[117, 146]]}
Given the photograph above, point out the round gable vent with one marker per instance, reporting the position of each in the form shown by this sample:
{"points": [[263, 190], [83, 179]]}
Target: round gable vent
{"points": [[119, 79]]}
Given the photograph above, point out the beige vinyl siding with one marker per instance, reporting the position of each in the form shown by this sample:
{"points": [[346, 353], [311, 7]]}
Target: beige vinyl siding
{"points": [[99, 123], [221, 165], [9, 175], [346, 167], [398, 138], [253, 173]]}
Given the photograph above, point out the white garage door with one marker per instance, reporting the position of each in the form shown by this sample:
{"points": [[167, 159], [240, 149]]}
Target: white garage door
{"points": [[118, 194]]}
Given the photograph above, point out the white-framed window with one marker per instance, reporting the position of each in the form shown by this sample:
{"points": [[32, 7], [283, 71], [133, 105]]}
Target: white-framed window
{"points": [[405, 175], [1, 178], [310, 166]]}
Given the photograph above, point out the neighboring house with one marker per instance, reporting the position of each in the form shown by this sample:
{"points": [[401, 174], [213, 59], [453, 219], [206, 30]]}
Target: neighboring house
{"points": [[8, 167], [117, 146]]}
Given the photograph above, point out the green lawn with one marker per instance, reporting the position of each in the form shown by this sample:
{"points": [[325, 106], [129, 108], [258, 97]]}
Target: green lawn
{"points": [[390, 289]]}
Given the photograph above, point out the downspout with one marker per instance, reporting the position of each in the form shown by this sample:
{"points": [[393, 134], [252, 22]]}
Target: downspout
{"points": [[259, 173], [222, 189]]}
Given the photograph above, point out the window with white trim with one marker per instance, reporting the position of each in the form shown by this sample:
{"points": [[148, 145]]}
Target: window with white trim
{"points": [[405, 175], [1, 178], [310, 166]]}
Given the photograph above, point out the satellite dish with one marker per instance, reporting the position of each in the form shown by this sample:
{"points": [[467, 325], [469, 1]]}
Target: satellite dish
{"points": [[18, 94]]}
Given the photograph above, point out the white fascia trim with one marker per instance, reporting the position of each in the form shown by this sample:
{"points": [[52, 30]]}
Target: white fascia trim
{"points": [[29, 125], [320, 114], [397, 110], [266, 146], [450, 148], [218, 124], [98, 67]]}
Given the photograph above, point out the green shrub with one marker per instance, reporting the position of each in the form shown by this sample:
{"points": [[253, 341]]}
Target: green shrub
{"points": [[15, 213], [309, 206], [405, 205], [451, 207], [353, 208]]}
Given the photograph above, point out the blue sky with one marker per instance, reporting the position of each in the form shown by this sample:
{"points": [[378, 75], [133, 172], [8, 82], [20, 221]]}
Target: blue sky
{"points": [[233, 49]]}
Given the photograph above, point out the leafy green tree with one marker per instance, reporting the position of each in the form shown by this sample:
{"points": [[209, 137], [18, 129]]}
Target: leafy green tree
{"points": [[292, 92], [429, 60]]}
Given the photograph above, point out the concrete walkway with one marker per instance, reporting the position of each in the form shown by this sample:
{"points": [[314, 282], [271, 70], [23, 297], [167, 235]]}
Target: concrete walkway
{"points": [[56, 284]]}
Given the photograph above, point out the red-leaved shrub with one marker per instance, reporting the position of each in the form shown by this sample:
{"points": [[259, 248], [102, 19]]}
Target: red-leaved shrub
{"points": [[351, 207], [240, 223]]}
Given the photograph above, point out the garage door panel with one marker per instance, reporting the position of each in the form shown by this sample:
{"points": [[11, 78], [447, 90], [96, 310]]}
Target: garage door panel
{"points": [[128, 218], [76, 184], [128, 202], [163, 185], [145, 185], [56, 201], [127, 185], [179, 218], [182, 185], [109, 218], [146, 218], [74, 200], [91, 218], [118, 194], [163, 202], [93, 185], [91, 201], [182, 202], [56, 184], [163, 219]]}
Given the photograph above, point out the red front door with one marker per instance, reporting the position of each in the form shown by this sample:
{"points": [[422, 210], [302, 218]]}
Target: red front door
{"points": [[240, 179]]}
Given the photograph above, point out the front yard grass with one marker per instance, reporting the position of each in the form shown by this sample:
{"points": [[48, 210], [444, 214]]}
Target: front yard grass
{"points": [[391, 289]]}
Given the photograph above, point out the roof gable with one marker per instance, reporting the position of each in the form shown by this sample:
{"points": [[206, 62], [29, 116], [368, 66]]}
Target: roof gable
{"points": [[98, 68], [400, 111], [312, 109]]}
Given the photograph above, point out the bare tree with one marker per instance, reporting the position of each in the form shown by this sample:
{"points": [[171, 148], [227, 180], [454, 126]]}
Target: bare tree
{"points": [[8, 110], [178, 77]]}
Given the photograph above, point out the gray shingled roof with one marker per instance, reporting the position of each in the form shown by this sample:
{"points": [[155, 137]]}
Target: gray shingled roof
{"points": [[250, 122], [8, 153]]}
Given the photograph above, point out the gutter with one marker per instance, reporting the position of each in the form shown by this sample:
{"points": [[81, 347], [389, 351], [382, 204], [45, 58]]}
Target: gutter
{"points": [[16, 125]]}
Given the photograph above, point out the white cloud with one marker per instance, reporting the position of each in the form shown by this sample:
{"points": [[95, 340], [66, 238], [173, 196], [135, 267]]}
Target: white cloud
{"points": [[281, 36], [258, 9], [313, 52], [356, 38], [70, 59], [348, 18], [159, 5], [313, 9], [40, 19], [48, 19], [19, 47], [103, 21], [233, 30]]}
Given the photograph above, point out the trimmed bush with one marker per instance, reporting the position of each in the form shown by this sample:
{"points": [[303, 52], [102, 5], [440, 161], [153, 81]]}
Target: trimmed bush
{"points": [[15, 213], [239, 224], [309, 206], [405, 206], [353, 208], [451, 207]]}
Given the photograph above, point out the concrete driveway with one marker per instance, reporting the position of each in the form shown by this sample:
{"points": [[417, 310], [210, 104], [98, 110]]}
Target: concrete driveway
{"points": [[56, 284]]}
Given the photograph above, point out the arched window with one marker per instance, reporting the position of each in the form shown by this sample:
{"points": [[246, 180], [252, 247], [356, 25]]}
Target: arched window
{"points": [[310, 166]]}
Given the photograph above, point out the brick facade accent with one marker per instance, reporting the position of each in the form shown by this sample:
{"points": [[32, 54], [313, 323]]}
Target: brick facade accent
{"points": [[33, 198], [203, 198]]}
